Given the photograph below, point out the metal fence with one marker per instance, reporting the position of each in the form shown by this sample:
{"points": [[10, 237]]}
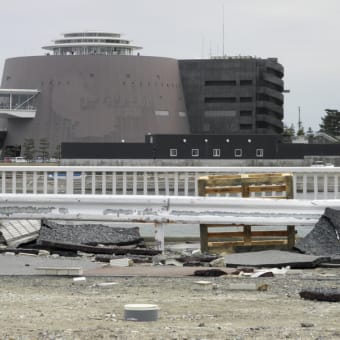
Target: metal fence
{"points": [[308, 182]]}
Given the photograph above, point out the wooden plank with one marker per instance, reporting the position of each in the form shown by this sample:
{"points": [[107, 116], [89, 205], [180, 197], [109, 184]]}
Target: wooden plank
{"points": [[220, 190], [247, 234], [291, 236], [204, 237], [259, 233], [267, 187], [253, 243]]}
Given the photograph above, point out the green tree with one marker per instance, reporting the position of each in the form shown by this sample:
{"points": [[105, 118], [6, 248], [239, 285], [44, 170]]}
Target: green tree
{"points": [[310, 132], [43, 148], [330, 123], [301, 131], [288, 131], [28, 149]]}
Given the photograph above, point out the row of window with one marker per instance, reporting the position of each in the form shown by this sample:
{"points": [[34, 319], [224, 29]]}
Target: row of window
{"points": [[227, 82], [227, 99], [216, 153]]}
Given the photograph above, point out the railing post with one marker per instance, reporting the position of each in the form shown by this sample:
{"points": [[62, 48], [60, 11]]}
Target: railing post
{"points": [[69, 182], [159, 236]]}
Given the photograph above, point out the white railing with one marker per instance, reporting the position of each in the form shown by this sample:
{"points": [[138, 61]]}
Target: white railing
{"points": [[164, 210], [309, 182]]}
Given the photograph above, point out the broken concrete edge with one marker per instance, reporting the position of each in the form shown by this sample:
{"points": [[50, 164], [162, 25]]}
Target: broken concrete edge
{"points": [[60, 271]]}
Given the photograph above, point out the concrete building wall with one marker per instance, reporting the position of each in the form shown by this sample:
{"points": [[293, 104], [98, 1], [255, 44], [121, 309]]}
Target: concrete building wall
{"points": [[233, 95], [97, 98]]}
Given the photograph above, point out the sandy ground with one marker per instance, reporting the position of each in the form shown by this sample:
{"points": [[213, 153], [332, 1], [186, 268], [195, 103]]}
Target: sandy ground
{"points": [[35, 307]]}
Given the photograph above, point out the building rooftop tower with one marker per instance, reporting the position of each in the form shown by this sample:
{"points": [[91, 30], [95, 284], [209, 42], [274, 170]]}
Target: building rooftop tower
{"points": [[92, 43]]}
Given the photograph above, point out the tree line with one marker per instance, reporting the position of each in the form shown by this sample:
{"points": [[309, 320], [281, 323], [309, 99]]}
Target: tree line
{"points": [[31, 151], [330, 124]]}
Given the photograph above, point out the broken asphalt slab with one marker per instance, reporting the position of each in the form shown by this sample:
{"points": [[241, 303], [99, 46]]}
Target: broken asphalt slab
{"points": [[324, 238], [274, 258], [88, 234]]}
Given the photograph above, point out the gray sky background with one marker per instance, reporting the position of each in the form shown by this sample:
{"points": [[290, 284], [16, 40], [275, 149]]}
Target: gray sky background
{"points": [[302, 34]]}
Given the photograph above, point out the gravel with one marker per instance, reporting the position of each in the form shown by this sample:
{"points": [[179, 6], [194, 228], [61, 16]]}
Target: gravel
{"points": [[58, 308]]}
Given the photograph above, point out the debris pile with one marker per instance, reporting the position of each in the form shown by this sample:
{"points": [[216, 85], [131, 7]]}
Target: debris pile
{"points": [[30, 237]]}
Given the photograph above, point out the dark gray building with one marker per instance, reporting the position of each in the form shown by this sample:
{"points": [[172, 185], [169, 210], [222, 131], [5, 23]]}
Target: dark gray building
{"points": [[93, 89], [233, 95]]}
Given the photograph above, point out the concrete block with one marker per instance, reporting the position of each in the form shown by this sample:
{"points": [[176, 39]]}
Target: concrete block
{"points": [[79, 280], [173, 262], [57, 271], [217, 263], [43, 252], [27, 254], [203, 285], [242, 286], [124, 262], [106, 284]]}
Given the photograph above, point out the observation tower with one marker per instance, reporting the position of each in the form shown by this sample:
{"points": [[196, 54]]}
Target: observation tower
{"points": [[92, 43]]}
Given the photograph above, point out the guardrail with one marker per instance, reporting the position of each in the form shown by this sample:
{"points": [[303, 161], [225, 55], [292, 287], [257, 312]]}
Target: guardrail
{"points": [[308, 182], [163, 210]]}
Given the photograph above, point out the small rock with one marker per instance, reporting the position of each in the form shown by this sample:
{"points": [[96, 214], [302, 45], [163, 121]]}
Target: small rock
{"points": [[159, 259], [307, 324], [43, 252], [196, 252], [262, 288], [217, 263]]}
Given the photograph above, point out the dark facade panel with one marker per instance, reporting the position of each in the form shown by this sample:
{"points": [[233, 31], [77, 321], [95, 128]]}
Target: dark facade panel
{"points": [[232, 84], [298, 151], [106, 151]]}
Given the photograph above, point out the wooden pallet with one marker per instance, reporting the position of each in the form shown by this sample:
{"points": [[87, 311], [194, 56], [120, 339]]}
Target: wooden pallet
{"points": [[264, 185]]}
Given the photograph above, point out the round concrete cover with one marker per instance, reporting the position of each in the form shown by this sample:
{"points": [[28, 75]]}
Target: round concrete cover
{"points": [[141, 312]]}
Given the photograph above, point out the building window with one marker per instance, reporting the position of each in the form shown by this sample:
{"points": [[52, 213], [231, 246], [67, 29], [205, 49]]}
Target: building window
{"points": [[173, 152], [246, 126], [220, 83], [246, 113], [238, 152], [246, 99], [216, 152], [259, 152], [195, 152], [220, 100], [246, 82]]}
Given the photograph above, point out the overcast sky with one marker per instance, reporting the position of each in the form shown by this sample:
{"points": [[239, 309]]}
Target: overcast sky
{"points": [[303, 34]]}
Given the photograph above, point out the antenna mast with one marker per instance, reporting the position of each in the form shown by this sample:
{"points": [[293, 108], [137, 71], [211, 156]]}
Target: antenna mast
{"points": [[299, 121]]}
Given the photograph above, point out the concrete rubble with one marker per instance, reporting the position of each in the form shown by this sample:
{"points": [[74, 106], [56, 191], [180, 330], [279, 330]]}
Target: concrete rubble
{"points": [[274, 259]]}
